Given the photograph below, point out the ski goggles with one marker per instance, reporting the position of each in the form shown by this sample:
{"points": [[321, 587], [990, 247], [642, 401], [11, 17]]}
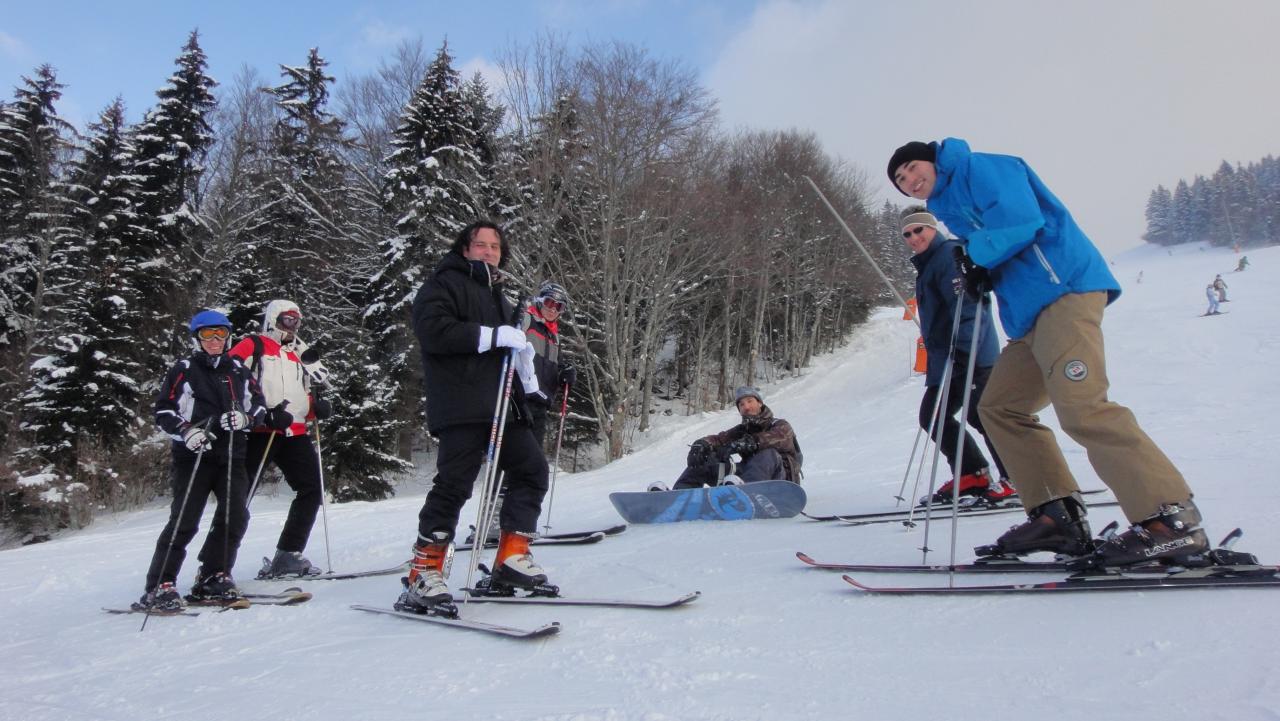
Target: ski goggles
{"points": [[549, 304], [288, 321], [213, 332]]}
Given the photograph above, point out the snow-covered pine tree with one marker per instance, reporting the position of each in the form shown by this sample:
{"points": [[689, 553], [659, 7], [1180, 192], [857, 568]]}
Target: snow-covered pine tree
{"points": [[432, 191], [172, 141], [33, 230], [86, 388], [1160, 228], [1183, 225]]}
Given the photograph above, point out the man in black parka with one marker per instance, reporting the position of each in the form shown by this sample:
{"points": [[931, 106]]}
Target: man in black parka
{"points": [[461, 320]]}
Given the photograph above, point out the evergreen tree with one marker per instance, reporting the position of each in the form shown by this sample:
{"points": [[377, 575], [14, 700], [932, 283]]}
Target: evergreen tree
{"points": [[172, 141], [431, 189], [33, 230], [86, 389], [1160, 225]]}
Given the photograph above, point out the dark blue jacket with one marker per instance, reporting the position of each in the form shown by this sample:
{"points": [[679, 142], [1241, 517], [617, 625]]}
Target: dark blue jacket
{"points": [[937, 284], [1019, 230]]}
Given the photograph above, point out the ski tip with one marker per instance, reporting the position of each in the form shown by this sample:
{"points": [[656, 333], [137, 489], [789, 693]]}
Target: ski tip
{"points": [[806, 558], [853, 582]]}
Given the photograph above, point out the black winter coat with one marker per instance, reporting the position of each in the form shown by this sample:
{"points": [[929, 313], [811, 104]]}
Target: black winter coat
{"points": [[462, 384], [203, 387], [937, 284]]}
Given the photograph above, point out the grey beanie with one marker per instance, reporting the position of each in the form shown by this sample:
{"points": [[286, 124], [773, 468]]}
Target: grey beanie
{"points": [[745, 391], [918, 215]]}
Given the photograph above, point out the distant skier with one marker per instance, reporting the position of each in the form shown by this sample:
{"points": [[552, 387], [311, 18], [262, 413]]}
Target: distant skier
{"points": [[939, 287], [1211, 293], [206, 405], [1244, 263], [1220, 286], [290, 388], [767, 446], [461, 317], [1053, 285]]}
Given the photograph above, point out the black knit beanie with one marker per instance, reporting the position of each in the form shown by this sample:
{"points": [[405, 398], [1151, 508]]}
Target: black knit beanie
{"points": [[915, 150]]}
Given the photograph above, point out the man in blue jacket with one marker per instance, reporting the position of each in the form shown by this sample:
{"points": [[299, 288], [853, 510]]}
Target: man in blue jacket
{"points": [[939, 287], [1053, 285]]}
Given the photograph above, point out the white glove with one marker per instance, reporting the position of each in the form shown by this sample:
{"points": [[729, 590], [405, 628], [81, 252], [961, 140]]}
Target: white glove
{"points": [[511, 337], [198, 440], [504, 336], [233, 420], [318, 373], [524, 368]]}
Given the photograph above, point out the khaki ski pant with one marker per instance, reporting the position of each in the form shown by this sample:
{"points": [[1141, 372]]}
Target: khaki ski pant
{"points": [[1061, 362]]}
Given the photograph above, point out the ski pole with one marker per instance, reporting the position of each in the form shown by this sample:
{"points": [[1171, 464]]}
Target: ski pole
{"points": [[496, 432], [177, 520], [555, 463], [964, 417], [253, 487], [862, 248], [912, 458], [324, 501], [939, 426]]}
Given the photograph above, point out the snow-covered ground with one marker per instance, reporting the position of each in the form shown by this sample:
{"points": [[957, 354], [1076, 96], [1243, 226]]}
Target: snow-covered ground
{"points": [[770, 639]]}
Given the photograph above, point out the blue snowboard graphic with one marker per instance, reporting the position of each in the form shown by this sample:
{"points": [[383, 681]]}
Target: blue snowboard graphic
{"points": [[762, 499]]}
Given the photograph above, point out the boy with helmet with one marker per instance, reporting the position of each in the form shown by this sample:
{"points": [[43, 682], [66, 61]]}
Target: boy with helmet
{"points": [[542, 329], [206, 404], [289, 379]]}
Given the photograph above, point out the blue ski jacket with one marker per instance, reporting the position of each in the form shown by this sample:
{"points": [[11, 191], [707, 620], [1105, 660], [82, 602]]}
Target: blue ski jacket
{"points": [[1017, 229], [937, 283]]}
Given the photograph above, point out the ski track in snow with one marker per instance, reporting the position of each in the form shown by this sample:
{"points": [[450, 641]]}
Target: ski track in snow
{"points": [[769, 639]]}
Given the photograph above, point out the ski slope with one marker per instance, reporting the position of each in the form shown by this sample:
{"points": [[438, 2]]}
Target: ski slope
{"points": [[769, 639]]}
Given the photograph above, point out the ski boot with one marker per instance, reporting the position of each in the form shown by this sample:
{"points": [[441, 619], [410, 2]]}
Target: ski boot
{"points": [[1171, 537], [1058, 526], [971, 484], [657, 486], [514, 569], [425, 590], [211, 589], [161, 599], [287, 564], [731, 480]]}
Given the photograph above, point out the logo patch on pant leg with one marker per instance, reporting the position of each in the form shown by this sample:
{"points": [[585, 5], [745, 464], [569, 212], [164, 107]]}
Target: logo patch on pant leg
{"points": [[1075, 370]]}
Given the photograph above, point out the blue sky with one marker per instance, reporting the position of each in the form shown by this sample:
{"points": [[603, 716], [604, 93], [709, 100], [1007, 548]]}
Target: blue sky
{"points": [[1104, 98]]}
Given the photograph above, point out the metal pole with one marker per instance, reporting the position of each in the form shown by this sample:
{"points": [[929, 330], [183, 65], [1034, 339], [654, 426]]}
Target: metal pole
{"points": [[964, 418], [491, 463], [253, 487], [324, 501], [862, 248], [555, 463]]}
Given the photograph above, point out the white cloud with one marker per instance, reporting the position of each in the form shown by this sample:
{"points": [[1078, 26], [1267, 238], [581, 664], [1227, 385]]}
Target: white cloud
{"points": [[13, 48], [490, 71], [1103, 99]]}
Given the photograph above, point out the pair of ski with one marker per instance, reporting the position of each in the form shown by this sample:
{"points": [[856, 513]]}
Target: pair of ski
{"points": [[969, 506], [287, 597], [1229, 569], [527, 633], [576, 538]]}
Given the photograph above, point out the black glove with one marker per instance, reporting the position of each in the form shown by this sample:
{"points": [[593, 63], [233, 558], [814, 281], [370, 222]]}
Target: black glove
{"points": [[278, 418], [321, 408], [977, 281], [568, 375], [699, 453], [743, 446]]}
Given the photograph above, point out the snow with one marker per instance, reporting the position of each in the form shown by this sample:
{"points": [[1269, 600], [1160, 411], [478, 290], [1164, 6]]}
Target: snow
{"points": [[769, 639]]}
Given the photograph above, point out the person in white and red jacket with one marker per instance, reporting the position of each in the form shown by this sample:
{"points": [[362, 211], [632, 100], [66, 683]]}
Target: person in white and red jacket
{"points": [[289, 383]]}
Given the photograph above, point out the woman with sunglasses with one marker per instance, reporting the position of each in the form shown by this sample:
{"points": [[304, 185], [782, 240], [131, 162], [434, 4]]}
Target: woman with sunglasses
{"points": [[206, 405], [938, 289], [542, 329], [289, 385]]}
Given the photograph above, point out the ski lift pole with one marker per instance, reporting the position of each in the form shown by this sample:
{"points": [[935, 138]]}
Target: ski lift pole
{"points": [[862, 248]]}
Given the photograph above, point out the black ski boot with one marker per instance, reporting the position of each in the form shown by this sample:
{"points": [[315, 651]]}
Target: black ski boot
{"points": [[1058, 526], [215, 587], [161, 599], [1172, 537]]}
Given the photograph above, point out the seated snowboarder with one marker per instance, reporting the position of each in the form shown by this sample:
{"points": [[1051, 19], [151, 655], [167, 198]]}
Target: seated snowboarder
{"points": [[767, 446]]}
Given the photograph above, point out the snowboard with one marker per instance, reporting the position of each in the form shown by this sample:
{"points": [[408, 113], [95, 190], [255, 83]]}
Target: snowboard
{"points": [[761, 499]]}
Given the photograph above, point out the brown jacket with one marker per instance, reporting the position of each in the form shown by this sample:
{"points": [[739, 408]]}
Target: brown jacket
{"points": [[769, 432]]}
